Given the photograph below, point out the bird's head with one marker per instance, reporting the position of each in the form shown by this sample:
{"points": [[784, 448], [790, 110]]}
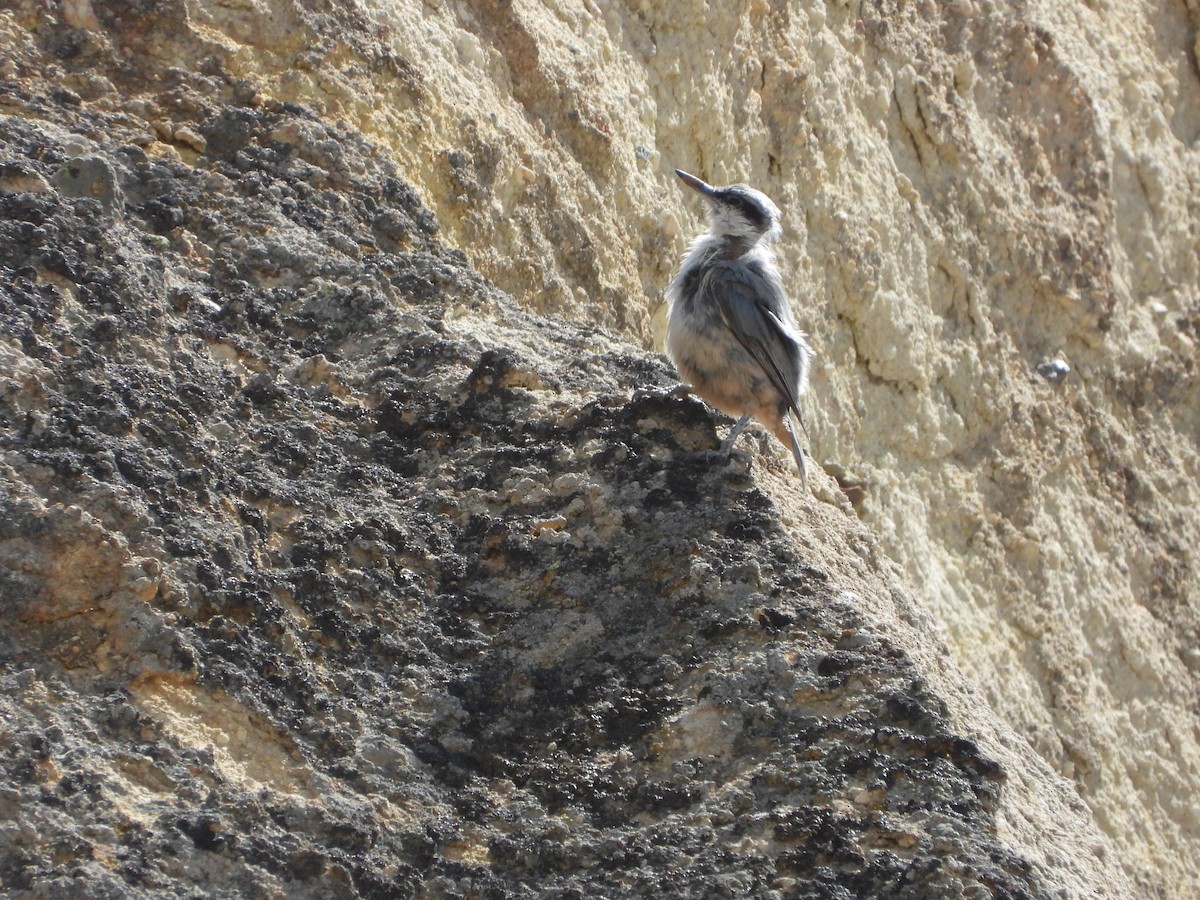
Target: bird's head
{"points": [[738, 213]]}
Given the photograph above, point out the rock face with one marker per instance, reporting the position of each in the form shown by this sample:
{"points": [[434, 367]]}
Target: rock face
{"points": [[352, 541]]}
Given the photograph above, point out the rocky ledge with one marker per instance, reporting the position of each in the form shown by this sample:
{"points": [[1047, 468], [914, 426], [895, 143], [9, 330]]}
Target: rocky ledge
{"points": [[326, 571]]}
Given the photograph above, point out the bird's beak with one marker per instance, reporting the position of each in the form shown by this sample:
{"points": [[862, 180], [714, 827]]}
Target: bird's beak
{"points": [[695, 183]]}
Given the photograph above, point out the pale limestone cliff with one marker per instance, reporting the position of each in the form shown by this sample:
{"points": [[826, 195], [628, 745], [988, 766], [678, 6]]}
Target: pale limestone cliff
{"points": [[991, 234], [973, 190]]}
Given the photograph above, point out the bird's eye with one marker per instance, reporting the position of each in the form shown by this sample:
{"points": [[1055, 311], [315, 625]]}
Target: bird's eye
{"points": [[752, 211]]}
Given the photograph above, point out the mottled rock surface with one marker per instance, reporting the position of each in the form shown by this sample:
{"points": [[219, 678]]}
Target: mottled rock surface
{"points": [[330, 567]]}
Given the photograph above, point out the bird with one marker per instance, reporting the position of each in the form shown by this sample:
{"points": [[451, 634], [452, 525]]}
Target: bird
{"points": [[730, 329]]}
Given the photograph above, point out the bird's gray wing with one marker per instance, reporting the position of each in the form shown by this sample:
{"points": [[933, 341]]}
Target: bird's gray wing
{"points": [[745, 302]]}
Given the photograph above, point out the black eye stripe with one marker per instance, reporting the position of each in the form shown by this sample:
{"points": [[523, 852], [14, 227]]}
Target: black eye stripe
{"points": [[747, 207]]}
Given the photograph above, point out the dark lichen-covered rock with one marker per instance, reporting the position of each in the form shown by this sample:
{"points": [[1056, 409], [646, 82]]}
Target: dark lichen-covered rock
{"points": [[324, 570]]}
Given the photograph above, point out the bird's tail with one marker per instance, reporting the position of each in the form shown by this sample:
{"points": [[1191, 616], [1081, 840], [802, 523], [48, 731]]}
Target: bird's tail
{"points": [[795, 429]]}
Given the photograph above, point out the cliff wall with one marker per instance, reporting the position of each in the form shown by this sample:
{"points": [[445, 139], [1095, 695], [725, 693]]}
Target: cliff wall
{"points": [[348, 519]]}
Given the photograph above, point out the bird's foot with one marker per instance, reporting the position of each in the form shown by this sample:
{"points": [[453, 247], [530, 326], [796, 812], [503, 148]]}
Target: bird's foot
{"points": [[724, 457], [713, 457]]}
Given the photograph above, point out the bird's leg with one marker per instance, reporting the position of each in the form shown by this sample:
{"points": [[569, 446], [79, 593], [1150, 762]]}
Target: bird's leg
{"points": [[727, 444]]}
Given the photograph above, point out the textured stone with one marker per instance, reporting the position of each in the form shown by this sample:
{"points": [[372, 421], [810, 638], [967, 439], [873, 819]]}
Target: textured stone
{"points": [[330, 568]]}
